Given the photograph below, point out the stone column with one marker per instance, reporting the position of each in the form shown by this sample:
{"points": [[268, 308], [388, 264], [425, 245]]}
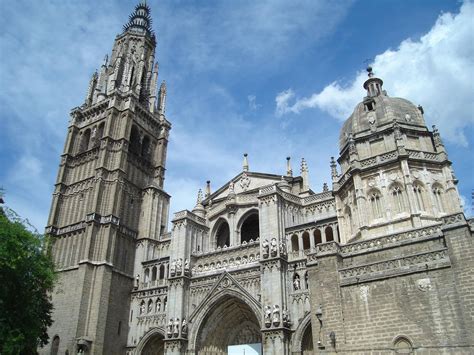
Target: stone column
{"points": [[300, 244]]}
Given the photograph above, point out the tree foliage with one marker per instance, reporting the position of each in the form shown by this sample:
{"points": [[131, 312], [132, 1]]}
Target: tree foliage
{"points": [[26, 278]]}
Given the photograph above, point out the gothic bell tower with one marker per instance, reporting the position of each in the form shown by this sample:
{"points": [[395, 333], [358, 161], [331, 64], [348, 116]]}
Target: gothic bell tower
{"points": [[109, 194]]}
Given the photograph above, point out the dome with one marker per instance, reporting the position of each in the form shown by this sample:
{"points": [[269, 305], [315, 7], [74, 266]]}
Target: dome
{"points": [[379, 110]]}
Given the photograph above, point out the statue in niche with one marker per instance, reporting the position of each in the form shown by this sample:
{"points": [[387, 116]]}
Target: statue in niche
{"points": [[170, 328], [276, 315], [179, 266], [268, 316], [177, 324], [184, 327], [142, 308], [231, 188], [137, 281], [186, 266], [265, 248], [273, 247], [173, 268], [158, 305], [296, 283], [150, 307]]}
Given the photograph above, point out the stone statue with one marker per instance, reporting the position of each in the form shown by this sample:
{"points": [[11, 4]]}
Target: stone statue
{"points": [[273, 247], [265, 248], [276, 315], [170, 328], [150, 307], [179, 266], [186, 268], [297, 283], [142, 308], [177, 324], [282, 248], [286, 318], [158, 305], [137, 281], [184, 327], [231, 188], [268, 316], [173, 268]]}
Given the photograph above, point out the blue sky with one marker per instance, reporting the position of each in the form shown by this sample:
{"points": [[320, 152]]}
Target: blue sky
{"points": [[269, 78]]}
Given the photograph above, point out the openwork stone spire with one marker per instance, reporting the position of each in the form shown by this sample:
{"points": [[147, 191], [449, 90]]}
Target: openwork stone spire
{"points": [[140, 21]]}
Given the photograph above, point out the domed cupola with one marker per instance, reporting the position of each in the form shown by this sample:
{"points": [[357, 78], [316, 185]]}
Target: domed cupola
{"points": [[378, 111]]}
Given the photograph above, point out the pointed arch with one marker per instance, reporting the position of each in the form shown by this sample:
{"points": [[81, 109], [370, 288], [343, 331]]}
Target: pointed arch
{"points": [[152, 339], [216, 302], [298, 336]]}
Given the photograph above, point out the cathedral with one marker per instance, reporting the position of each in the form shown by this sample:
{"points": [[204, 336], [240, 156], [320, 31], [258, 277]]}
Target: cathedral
{"points": [[379, 262]]}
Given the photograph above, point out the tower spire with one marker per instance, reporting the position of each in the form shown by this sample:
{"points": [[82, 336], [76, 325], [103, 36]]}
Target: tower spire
{"points": [[305, 174]]}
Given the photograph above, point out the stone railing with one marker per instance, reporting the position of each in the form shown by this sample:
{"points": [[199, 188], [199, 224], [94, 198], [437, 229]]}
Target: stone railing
{"points": [[189, 215], [317, 197], [165, 236], [417, 154], [154, 283], [267, 190], [226, 258]]}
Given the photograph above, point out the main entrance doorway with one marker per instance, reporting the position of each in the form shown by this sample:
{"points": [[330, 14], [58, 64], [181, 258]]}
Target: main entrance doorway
{"points": [[154, 345], [229, 323]]}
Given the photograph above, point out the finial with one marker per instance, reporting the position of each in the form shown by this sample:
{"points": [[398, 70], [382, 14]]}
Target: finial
{"points": [[369, 71], [325, 187], [208, 188], [333, 168], [245, 163], [199, 197], [289, 171], [304, 166], [106, 60]]}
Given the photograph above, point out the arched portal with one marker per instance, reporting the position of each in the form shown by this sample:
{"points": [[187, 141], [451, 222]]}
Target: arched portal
{"points": [[229, 322], [152, 343]]}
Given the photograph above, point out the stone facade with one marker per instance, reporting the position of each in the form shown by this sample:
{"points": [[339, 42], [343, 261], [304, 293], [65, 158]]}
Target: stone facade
{"points": [[381, 263]]}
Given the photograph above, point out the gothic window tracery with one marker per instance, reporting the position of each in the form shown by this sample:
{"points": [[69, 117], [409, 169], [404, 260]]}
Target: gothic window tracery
{"points": [[418, 192], [438, 197], [86, 136], [375, 204], [397, 198]]}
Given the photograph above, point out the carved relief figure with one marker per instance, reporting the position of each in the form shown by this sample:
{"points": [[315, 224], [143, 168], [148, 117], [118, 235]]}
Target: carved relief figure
{"points": [[184, 327], [282, 248], [273, 247], [268, 316], [265, 248], [276, 315], [177, 324], [179, 266], [170, 328], [173, 267], [186, 268]]}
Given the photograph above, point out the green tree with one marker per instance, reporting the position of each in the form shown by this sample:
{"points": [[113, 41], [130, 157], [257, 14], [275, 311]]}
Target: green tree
{"points": [[26, 278]]}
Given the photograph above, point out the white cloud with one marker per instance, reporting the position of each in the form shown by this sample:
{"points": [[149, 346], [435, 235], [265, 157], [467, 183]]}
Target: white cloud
{"points": [[436, 71]]}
